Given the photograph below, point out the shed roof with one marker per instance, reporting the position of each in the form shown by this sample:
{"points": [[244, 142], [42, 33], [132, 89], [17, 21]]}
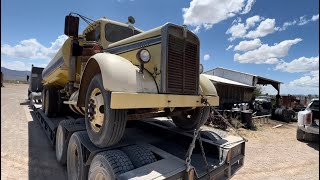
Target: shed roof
{"points": [[225, 81]]}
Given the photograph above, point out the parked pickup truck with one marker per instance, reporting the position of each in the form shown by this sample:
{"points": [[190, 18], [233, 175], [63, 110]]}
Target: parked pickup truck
{"points": [[308, 122]]}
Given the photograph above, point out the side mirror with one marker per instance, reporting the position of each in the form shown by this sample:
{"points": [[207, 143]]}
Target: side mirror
{"points": [[71, 26], [131, 20]]}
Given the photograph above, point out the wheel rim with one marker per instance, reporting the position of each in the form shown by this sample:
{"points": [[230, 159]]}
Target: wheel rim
{"points": [[59, 142], [96, 110], [100, 176]]}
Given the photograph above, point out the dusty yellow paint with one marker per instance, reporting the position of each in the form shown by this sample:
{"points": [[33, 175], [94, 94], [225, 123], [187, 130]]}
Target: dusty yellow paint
{"points": [[121, 100]]}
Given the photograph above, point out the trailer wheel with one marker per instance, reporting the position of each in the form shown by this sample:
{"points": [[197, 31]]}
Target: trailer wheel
{"points": [[105, 126], [77, 170], [61, 144], [191, 120], [139, 155], [108, 164], [51, 102]]}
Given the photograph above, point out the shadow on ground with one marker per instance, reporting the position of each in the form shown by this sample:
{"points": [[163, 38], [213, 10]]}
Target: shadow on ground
{"points": [[42, 160]]}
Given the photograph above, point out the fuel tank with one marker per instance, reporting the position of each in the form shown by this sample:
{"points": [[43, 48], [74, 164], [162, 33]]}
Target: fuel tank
{"points": [[56, 72]]}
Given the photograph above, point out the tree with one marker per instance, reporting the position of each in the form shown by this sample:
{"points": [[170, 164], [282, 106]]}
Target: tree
{"points": [[257, 91]]}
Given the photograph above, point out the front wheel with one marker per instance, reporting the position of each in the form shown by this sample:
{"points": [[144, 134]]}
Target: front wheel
{"points": [[192, 119], [105, 126]]}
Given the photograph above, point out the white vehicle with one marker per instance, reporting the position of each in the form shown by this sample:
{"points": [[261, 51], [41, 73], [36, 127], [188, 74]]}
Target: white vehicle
{"points": [[308, 122]]}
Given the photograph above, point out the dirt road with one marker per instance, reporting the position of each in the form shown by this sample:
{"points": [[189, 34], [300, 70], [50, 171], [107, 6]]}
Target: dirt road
{"points": [[27, 154]]}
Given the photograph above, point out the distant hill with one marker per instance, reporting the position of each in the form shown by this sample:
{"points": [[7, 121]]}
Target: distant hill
{"points": [[9, 74]]}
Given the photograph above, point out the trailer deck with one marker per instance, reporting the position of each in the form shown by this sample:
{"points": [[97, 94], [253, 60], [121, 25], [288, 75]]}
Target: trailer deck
{"points": [[224, 154]]}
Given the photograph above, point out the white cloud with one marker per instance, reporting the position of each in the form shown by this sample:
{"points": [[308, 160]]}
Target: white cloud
{"points": [[266, 27], [19, 65], [300, 22], [248, 45], [248, 6], [32, 49], [206, 57], [315, 17], [308, 80], [266, 54], [239, 30], [16, 65], [229, 47], [301, 64], [206, 13]]}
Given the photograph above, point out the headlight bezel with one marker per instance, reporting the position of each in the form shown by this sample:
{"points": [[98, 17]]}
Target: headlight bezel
{"points": [[140, 58]]}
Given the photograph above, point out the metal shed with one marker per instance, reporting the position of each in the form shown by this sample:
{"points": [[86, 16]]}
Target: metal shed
{"points": [[241, 85]]}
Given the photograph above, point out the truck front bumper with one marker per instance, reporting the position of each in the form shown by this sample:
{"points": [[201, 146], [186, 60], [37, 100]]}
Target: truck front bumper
{"points": [[124, 100]]}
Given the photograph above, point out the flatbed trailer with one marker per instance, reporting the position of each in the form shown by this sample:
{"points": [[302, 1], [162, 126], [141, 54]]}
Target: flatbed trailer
{"points": [[168, 144]]}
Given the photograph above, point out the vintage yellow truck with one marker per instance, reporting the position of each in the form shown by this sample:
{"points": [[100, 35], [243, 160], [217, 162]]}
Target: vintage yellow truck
{"points": [[113, 72]]}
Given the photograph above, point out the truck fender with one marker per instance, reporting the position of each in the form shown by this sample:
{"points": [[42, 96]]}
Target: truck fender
{"points": [[118, 75], [206, 86]]}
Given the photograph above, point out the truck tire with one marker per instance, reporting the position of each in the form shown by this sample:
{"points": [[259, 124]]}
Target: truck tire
{"points": [[300, 134], [51, 102], [105, 126], [108, 164], [77, 169], [61, 144], [191, 120], [139, 155]]}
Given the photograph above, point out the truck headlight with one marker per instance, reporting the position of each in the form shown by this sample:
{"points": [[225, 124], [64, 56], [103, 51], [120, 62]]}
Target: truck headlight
{"points": [[143, 55]]}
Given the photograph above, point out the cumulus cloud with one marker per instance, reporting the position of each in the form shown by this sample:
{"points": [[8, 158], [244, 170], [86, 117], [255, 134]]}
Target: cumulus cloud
{"points": [[206, 57], [300, 22], [206, 13], [32, 49], [265, 27], [239, 30], [302, 64], [229, 47], [308, 80], [266, 54], [248, 45]]}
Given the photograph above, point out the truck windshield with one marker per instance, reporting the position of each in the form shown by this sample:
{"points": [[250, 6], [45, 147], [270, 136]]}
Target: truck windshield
{"points": [[116, 33], [314, 105]]}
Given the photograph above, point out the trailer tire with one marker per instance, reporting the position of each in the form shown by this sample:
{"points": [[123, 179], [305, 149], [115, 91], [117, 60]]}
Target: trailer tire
{"points": [[77, 169], [139, 155], [61, 144], [187, 123], [105, 126], [109, 164], [51, 102]]}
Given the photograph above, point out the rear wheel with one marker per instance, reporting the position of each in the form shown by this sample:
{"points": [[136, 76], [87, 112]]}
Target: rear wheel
{"points": [[61, 144], [77, 170], [108, 164], [192, 119], [300, 134], [139, 155], [105, 126]]}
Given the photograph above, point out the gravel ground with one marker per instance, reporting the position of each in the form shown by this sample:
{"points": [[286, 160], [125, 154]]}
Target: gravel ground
{"points": [[27, 154]]}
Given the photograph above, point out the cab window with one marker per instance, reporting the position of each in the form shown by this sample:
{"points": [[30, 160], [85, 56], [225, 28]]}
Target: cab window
{"points": [[116, 33]]}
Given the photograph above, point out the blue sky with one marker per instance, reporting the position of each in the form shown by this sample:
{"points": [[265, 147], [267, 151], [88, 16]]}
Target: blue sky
{"points": [[277, 39]]}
